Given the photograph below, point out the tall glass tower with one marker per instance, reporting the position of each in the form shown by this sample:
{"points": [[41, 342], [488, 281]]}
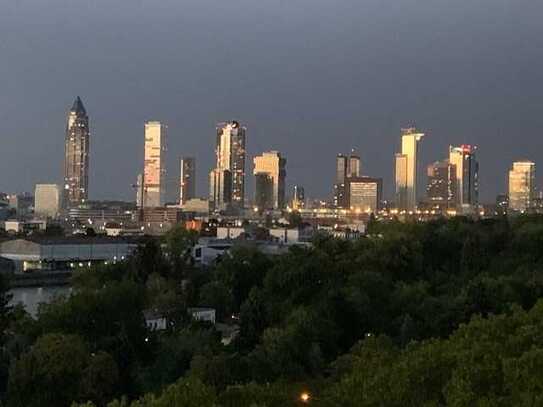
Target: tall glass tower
{"points": [[230, 152], [407, 169], [76, 156]]}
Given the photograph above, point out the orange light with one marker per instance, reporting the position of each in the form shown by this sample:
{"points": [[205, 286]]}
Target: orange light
{"points": [[305, 397]]}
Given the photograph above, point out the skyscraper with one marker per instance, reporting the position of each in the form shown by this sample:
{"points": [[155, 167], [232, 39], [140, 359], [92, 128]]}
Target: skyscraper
{"points": [[272, 164], [230, 152], [467, 177], [353, 169], [298, 197], [522, 186], [154, 171], [407, 169], [187, 184], [441, 185], [346, 167], [76, 156], [263, 191], [220, 189], [364, 194]]}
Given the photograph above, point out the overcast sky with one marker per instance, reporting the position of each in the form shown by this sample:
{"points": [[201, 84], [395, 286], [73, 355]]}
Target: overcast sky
{"points": [[310, 78]]}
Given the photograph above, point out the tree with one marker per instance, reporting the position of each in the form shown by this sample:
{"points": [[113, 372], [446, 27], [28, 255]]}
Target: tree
{"points": [[50, 373]]}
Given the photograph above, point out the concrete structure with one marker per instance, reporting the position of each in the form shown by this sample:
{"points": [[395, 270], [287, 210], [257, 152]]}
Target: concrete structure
{"points": [[467, 177], [187, 180], [24, 226], [198, 206], [21, 203], [64, 253], [47, 200], [298, 197], [271, 163], [522, 186], [76, 159], [407, 163], [202, 314], [263, 191], [441, 185], [139, 191], [229, 232], [230, 154], [364, 194], [293, 235], [154, 172], [220, 189], [154, 320]]}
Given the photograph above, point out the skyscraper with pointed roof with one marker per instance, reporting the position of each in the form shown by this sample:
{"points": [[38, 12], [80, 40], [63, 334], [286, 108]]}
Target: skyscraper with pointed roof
{"points": [[76, 158]]}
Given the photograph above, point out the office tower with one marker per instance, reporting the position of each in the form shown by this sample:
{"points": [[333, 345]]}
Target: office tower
{"points": [[139, 191], [272, 164], [339, 185], [441, 185], [353, 169], [47, 200], [407, 163], [298, 198], [187, 185], [154, 170], [230, 152], [364, 194], [220, 189], [264, 191], [467, 177], [346, 167], [76, 156], [522, 186]]}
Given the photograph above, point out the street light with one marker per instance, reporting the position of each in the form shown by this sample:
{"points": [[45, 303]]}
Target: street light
{"points": [[305, 397]]}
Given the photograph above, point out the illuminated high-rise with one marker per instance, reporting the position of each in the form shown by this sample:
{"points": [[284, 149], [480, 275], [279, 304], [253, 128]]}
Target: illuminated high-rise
{"points": [[273, 165], [154, 170], [406, 166], [187, 184], [364, 194], [298, 197], [522, 186], [441, 185], [76, 156], [346, 167], [230, 154], [467, 177]]}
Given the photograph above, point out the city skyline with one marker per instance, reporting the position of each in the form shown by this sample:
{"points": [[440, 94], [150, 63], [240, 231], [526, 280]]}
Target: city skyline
{"points": [[458, 86]]}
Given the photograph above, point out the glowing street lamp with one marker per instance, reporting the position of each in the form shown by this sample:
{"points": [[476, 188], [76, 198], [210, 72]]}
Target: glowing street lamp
{"points": [[305, 397]]}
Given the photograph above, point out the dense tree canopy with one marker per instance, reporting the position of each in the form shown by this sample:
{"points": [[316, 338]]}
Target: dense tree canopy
{"points": [[443, 313]]}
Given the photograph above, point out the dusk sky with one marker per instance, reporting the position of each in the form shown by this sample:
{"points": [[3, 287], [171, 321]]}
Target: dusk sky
{"points": [[309, 78]]}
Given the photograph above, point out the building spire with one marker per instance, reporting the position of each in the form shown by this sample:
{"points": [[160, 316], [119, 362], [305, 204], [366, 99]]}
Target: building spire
{"points": [[78, 107]]}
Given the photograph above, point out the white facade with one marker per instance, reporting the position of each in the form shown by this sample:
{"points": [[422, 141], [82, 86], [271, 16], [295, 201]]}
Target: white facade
{"points": [[229, 232], [203, 314], [47, 200], [20, 226]]}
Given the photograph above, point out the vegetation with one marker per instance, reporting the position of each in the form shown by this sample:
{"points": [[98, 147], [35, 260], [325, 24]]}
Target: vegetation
{"points": [[445, 313]]}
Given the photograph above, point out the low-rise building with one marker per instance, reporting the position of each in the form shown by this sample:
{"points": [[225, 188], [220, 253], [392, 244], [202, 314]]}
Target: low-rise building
{"points": [[24, 226], [203, 314], [53, 254]]}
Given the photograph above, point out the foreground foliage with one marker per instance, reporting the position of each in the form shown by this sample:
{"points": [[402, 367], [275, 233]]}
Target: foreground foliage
{"points": [[445, 313]]}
